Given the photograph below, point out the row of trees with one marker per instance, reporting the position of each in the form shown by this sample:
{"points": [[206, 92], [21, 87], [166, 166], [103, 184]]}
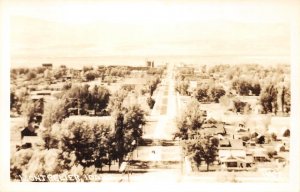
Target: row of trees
{"points": [[81, 147], [28, 72], [275, 98], [80, 98], [205, 93], [67, 148], [251, 72], [243, 87]]}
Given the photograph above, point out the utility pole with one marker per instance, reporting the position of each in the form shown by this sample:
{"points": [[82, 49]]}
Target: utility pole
{"points": [[78, 106]]}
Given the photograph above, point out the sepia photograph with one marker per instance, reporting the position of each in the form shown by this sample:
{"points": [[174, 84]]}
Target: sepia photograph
{"points": [[150, 95]]}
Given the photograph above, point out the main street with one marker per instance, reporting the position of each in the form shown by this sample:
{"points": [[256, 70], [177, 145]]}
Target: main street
{"points": [[162, 130]]}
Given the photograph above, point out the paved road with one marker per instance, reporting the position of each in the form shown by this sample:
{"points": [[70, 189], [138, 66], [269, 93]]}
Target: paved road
{"points": [[163, 126]]}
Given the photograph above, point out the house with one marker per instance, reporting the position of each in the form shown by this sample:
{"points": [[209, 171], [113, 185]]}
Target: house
{"points": [[29, 136], [213, 129], [150, 64], [211, 126], [233, 156], [259, 154]]}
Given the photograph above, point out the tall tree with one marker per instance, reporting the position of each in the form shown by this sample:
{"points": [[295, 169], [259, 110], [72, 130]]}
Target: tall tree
{"points": [[268, 99], [191, 120], [202, 94], [209, 150], [216, 93], [182, 87], [202, 149], [55, 112]]}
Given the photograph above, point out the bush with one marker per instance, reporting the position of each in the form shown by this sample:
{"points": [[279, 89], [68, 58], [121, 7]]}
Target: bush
{"points": [[286, 133], [31, 75], [151, 102]]}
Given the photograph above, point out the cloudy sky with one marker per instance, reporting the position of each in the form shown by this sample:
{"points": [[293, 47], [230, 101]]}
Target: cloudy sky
{"points": [[143, 28]]}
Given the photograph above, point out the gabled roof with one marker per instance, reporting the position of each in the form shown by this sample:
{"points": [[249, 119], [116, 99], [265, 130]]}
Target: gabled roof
{"points": [[213, 129], [235, 159], [235, 144]]}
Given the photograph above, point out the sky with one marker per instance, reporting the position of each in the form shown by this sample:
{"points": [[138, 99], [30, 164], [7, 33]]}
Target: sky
{"points": [[145, 28]]}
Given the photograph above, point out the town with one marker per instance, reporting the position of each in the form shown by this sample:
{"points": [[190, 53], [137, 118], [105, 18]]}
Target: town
{"points": [[203, 123]]}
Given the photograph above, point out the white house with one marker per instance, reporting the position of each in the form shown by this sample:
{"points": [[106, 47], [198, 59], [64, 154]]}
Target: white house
{"points": [[232, 155]]}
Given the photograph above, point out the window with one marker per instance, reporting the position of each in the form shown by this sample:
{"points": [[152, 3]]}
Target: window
{"points": [[232, 164]]}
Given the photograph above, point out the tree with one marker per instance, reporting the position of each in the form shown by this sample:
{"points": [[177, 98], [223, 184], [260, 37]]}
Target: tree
{"points": [[90, 75], [128, 129], [256, 89], [239, 106], [194, 149], [59, 73], [286, 133], [88, 141], [191, 120], [244, 88], [13, 100], [55, 112], [116, 101], [150, 102], [202, 94], [216, 93], [209, 151], [83, 98], [98, 98], [128, 121], [31, 75], [152, 84], [260, 139], [18, 162], [182, 87], [241, 86], [119, 137], [134, 119], [87, 68], [30, 108], [67, 86], [268, 99], [203, 149], [285, 97]]}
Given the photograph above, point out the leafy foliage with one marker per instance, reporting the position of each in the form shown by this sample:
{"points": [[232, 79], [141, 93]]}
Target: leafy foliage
{"points": [[191, 120], [268, 99], [182, 87], [203, 149], [150, 102], [205, 93], [30, 108], [55, 112]]}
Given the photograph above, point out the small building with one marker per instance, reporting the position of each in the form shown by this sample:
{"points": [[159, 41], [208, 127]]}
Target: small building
{"points": [[237, 163], [150, 64], [233, 156], [47, 66], [213, 129], [260, 156]]}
